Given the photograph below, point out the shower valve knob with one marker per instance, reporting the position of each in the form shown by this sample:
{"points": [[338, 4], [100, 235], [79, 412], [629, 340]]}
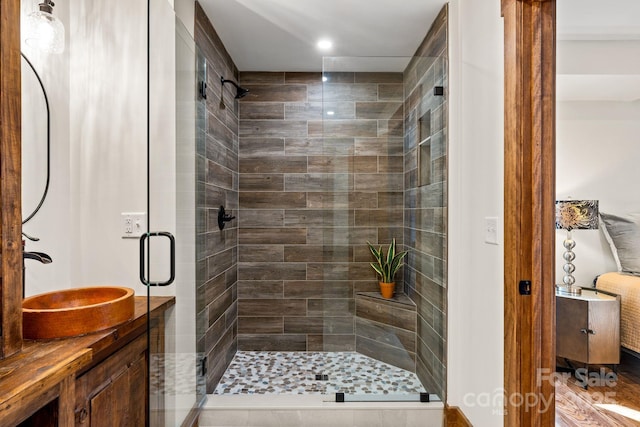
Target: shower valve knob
{"points": [[223, 217]]}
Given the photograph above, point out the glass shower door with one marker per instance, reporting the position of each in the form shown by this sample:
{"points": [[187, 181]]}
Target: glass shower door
{"points": [[383, 126], [168, 249]]}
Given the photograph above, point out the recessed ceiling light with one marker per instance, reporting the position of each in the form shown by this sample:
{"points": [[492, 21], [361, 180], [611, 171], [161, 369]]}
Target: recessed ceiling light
{"points": [[330, 113], [325, 78], [324, 44]]}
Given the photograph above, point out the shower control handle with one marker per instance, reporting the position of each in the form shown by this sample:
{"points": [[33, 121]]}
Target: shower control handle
{"points": [[223, 217]]}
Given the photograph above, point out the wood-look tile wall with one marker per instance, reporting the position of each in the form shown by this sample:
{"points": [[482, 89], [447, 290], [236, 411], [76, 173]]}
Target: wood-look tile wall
{"points": [[425, 213], [217, 176], [386, 329], [314, 188]]}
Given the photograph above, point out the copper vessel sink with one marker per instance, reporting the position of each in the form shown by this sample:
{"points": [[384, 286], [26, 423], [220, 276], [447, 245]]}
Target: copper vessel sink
{"points": [[78, 311]]}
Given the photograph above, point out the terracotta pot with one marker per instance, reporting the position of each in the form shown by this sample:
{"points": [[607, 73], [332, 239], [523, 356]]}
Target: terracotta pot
{"points": [[386, 289]]}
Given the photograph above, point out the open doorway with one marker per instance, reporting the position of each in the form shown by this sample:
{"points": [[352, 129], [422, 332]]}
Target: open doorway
{"points": [[597, 128]]}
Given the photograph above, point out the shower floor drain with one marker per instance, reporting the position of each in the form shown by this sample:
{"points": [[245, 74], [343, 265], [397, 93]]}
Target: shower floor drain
{"points": [[322, 377]]}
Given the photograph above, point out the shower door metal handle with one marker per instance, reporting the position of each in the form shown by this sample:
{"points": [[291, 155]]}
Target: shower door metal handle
{"points": [[172, 256]]}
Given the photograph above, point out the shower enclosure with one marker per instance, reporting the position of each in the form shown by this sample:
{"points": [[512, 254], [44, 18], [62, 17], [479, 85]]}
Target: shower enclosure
{"points": [[312, 165]]}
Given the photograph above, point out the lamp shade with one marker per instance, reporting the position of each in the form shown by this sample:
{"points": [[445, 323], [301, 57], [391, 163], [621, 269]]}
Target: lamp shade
{"points": [[577, 214]]}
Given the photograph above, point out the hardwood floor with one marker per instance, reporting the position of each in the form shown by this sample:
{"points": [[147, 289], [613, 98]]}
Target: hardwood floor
{"points": [[610, 400]]}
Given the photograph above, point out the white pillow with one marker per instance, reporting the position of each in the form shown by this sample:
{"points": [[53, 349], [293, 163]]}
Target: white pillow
{"points": [[623, 235]]}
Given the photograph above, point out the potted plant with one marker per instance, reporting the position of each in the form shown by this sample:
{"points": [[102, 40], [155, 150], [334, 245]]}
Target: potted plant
{"points": [[387, 265]]}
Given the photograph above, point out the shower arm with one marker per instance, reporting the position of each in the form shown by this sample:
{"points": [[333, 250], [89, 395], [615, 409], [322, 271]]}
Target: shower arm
{"points": [[223, 81]]}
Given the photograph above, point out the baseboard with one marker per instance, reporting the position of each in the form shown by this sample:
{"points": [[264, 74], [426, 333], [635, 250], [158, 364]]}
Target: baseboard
{"points": [[454, 417]]}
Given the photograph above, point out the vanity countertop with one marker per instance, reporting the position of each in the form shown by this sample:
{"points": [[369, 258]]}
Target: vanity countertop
{"points": [[36, 375]]}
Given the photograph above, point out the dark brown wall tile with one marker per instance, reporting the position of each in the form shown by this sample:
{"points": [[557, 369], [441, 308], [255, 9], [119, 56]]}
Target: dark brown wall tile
{"points": [[272, 307], [260, 325], [272, 129], [346, 92], [385, 334], [318, 289], [330, 307], [261, 111], [317, 182], [272, 200], [261, 253], [378, 146], [272, 342], [272, 236], [270, 271], [274, 164], [378, 77], [390, 164], [381, 182], [311, 218], [391, 92], [275, 93], [379, 110], [261, 218], [318, 253], [343, 128], [354, 200], [261, 147], [319, 146], [391, 355], [261, 77], [331, 342], [378, 312], [318, 325], [261, 182], [302, 77], [253, 289]]}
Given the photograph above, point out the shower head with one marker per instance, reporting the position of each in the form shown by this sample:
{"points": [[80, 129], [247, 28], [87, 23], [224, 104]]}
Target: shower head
{"points": [[240, 91]]}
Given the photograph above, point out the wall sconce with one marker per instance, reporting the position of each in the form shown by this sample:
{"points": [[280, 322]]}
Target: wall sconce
{"points": [[44, 31]]}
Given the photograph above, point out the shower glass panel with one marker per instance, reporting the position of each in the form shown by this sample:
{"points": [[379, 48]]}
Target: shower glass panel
{"points": [[378, 114], [177, 365]]}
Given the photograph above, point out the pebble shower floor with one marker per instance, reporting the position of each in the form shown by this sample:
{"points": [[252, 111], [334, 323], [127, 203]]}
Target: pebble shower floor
{"points": [[295, 373]]}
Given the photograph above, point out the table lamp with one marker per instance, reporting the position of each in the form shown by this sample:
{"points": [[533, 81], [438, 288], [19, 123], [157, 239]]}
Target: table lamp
{"points": [[574, 215]]}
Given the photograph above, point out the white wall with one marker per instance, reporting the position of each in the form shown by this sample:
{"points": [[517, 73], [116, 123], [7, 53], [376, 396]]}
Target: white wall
{"points": [[52, 223], [475, 304], [98, 94], [597, 158]]}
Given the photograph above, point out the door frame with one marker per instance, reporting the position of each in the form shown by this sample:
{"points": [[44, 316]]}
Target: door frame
{"points": [[529, 211]]}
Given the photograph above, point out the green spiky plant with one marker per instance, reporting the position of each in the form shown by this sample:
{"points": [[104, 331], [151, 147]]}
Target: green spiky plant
{"points": [[387, 265]]}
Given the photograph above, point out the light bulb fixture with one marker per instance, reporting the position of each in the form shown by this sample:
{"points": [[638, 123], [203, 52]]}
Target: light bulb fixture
{"points": [[324, 44], [43, 30]]}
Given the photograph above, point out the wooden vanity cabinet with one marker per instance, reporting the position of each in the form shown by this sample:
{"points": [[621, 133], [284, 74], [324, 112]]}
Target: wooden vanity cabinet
{"points": [[113, 393]]}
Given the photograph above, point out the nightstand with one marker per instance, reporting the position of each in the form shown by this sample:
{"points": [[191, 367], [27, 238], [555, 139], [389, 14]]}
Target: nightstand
{"points": [[588, 327]]}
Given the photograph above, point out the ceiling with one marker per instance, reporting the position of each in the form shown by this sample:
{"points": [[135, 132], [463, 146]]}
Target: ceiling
{"points": [[598, 52], [281, 35], [598, 41]]}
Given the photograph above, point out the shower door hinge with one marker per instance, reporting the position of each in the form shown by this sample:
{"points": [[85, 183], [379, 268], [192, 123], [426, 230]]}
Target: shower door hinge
{"points": [[202, 89], [203, 366]]}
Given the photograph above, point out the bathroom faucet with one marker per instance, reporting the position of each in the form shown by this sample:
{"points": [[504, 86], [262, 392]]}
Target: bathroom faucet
{"points": [[38, 256]]}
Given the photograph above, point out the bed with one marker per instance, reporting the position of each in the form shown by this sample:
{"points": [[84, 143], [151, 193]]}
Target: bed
{"points": [[623, 235], [628, 287]]}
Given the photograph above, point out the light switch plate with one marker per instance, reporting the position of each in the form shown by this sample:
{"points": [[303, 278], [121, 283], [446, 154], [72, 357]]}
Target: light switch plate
{"points": [[491, 230], [134, 224]]}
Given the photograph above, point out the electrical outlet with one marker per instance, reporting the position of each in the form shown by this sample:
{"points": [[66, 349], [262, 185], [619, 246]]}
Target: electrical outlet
{"points": [[134, 224]]}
